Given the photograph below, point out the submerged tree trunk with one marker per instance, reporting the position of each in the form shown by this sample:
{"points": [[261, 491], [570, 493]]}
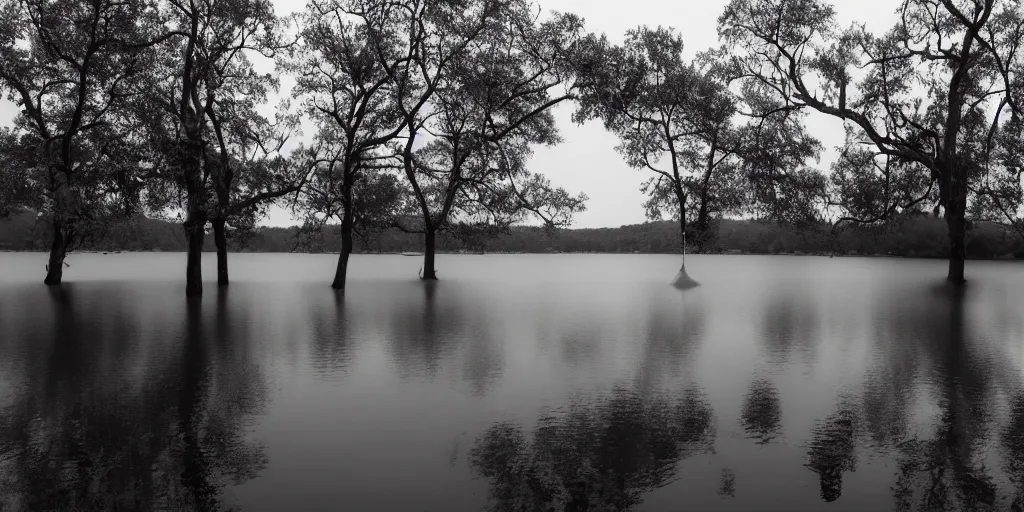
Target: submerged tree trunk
{"points": [[682, 279], [194, 232], [341, 273], [220, 239], [196, 213], [58, 250], [61, 228], [429, 255], [682, 238], [957, 227]]}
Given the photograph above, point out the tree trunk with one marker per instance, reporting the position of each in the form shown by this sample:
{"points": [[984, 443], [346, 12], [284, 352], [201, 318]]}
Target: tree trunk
{"points": [[702, 227], [194, 232], [61, 233], [341, 274], [196, 214], [957, 227], [702, 215], [683, 280], [58, 250], [429, 255], [682, 235], [220, 238]]}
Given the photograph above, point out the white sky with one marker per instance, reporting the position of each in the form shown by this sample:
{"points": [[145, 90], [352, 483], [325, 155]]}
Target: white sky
{"points": [[586, 161]]}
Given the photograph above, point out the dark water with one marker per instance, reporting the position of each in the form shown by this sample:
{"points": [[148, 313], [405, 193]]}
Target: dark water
{"points": [[527, 383]]}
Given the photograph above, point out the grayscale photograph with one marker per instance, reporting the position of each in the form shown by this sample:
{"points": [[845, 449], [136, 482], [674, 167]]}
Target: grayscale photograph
{"points": [[512, 255]]}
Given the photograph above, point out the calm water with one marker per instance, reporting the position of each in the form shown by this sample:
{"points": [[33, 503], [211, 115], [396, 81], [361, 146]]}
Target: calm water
{"points": [[528, 383]]}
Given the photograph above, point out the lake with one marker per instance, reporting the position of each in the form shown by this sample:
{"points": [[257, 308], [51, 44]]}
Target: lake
{"points": [[517, 382]]}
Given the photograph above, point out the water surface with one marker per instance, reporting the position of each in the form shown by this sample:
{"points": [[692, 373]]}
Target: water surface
{"points": [[525, 382]]}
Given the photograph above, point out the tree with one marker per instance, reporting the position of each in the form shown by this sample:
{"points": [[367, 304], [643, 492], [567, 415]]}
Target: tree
{"points": [[375, 198], [661, 107], [919, 93], [349, 53], [250, 169], [179, 135], [218, 157], [491, 95], [18, 189], [70, 66]]}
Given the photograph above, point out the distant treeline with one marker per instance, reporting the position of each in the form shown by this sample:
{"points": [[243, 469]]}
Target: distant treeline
{"points": [[923, 237]]}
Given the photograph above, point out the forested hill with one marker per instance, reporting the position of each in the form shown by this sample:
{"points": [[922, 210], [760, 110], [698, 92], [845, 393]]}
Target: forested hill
{"points": [[921, 237]]}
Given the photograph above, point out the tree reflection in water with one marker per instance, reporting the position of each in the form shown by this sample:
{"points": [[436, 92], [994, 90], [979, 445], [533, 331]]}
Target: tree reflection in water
{"points": [[727, 484], [596, 455], [944, 473], [1013, 454], [928, 343], [82, 434], [431, 323], [832, 451], [762, 412]]}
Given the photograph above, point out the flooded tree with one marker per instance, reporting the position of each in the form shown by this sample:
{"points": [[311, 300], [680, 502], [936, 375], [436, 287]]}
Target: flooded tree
{"points": [[179, 135], [70, 66], [216, 154], [245, 189], [649, 96], [375, 199], [250, 168], [678, 120], [603, 455], [920, 94], [491, 103], [346, 68]]}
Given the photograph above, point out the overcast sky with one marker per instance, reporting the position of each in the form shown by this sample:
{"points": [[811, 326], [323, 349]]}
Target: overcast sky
{"points": [[586, 161]]}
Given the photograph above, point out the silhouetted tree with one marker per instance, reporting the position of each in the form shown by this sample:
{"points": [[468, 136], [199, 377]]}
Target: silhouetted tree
{"points": [[776, 182], [250, 169], [919, 93], [209, 144], [348, 70], [491, 90], [70, 66], [662, 107]]}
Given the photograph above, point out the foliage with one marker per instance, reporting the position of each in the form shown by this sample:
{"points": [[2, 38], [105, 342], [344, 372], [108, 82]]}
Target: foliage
{"points": [[71, 66], [663, 108], [490, 95], [928, 96], [344, 69]]}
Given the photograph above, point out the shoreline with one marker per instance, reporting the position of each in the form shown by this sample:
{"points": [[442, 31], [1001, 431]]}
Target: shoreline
{"points": [[417, 255]]}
